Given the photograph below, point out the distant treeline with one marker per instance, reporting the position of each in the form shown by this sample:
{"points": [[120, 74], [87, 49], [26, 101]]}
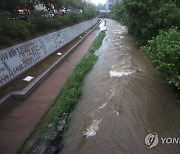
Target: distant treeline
{"points": [[37, 22]]}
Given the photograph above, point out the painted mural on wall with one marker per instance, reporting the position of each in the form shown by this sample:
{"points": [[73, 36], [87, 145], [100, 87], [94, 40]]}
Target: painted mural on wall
{"points": [[18, 58]]}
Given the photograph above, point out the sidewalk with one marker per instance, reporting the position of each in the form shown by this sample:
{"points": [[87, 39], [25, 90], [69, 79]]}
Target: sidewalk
{"points": [[19, 117]]}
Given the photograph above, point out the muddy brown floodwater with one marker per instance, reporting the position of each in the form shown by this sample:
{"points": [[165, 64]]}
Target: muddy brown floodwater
{"points": [[124, 99]]}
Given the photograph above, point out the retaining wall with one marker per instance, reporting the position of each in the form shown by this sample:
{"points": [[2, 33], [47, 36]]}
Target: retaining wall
{"points": [[18, 58]]}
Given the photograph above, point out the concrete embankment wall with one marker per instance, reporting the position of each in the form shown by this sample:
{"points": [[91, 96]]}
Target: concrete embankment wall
{"points": [[18, 58]]}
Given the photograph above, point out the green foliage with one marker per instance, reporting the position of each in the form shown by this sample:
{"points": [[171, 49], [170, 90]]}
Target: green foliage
{"points": [[11, 30], [71, 91], [145, 18], [97, 43], [72, 18], [164, 51], [38, 22], [117, 12], [11, 4], [89, 11]]}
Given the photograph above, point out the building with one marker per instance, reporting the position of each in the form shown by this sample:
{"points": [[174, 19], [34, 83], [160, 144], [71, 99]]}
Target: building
{"points": [[110, 3], [40, 7], [89, 1]]}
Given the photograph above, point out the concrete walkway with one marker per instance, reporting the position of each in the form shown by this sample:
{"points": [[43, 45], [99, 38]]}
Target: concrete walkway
{"points": [[19, 118]]}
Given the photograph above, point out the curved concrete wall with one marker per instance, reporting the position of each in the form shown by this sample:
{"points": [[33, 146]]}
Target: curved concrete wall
{"points": [[18, 58]]}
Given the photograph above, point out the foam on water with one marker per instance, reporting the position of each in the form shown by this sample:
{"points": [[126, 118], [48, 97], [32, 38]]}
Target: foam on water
{"points": [[119, 74], [92, 129]]}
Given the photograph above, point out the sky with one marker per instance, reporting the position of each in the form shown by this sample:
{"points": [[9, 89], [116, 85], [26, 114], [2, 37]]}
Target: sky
{"points": [[99, 1]]}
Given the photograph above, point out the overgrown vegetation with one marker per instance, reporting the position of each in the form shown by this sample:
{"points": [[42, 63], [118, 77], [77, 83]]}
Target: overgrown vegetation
{"points": [[72, 90], [10, 30], [15, 29], [13, 5], [36, 21], [144, 19], [154, 20], [164, 51]]}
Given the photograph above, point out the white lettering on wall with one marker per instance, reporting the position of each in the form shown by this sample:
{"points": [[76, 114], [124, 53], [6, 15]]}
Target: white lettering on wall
{"points": [[18, 58]]}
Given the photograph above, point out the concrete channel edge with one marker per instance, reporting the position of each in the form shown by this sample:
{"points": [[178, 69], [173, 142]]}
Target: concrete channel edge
{"points": [[36, 82]]}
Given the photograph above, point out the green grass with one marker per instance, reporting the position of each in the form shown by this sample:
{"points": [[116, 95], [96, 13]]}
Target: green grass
{"points": [[72, 90]]}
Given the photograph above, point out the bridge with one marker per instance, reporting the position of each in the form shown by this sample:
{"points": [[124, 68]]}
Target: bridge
{"points": [[104, 13]]}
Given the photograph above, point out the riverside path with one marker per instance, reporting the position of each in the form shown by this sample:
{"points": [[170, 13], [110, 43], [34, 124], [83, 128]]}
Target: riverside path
{"points": [[20, 117]]}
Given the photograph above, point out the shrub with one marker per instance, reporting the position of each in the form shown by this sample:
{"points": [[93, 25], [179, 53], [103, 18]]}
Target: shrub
{"points": [[55, 23], [39, 21], [145, 18], [59, 21], [17, 29], [72, 18], [4, 40], [89, 12], [12, 29], [164, 51]]}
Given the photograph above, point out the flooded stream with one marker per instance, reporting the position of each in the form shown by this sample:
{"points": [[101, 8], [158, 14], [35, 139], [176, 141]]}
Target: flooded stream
{"points": [[124, 99]]}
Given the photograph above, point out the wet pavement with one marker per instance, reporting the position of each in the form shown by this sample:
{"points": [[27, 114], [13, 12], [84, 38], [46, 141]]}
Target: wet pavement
{"points": [[124, 98]]}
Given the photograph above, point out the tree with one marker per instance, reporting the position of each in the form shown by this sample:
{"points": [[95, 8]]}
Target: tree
{"points": [[90, 11], [29, 4], [145, 18], [9, 5], [57, 4]]}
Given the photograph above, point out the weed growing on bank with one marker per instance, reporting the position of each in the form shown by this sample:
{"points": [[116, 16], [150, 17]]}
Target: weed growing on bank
{"points": [[72, 90]]}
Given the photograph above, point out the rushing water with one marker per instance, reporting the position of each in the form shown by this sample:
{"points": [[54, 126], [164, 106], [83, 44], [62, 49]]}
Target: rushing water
{"points": [[124, 99]]}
